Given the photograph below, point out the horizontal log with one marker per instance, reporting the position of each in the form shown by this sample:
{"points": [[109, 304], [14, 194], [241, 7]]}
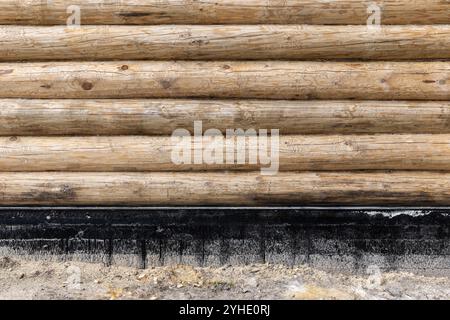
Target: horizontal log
{"points": [[161, 117], [64, 188], [245, 79], [256, 42], [289, 153], [38, 12]]}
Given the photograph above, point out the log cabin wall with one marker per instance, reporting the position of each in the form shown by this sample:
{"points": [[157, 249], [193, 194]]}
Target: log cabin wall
{"points": [[87, 111]]}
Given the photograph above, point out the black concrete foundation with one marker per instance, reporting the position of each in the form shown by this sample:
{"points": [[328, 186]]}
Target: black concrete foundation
{"points": [[344, 239]]}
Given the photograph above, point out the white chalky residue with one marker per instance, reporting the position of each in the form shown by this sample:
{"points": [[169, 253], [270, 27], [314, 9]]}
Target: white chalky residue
{"points": [[392, 214]]}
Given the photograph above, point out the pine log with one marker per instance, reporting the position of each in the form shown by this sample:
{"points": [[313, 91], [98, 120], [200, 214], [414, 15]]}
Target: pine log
{"points": [[20, 117], [244, 79], [250, 189], [138, 12], [289, 153], [220, 42]]}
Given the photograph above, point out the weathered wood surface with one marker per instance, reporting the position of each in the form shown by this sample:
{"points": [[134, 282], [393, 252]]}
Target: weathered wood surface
{"points": [[296, 153], [111, 169], [261, 79], [220, 42], [20, 117], [39, 12], [395, 188]]}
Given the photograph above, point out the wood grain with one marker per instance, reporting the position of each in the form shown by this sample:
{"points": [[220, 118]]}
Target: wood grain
{"points": [[20, 117], [245, 79], [221, 42], [63, 188], [296, 153], [38, 12]]}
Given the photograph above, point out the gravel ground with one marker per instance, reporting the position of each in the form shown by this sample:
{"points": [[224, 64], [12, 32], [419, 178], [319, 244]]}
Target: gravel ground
{"points": [[21, 279]]}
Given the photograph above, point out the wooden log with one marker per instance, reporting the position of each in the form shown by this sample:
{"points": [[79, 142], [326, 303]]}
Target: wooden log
{"points": [[257, 42], [161, 117], [64, 188], [296, 153], [261, 79], [38, 12]]}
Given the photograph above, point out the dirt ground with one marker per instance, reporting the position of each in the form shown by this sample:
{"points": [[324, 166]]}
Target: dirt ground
{"points": [[20, 279]]}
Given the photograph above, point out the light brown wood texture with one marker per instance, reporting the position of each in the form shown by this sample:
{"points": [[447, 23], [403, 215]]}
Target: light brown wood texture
{"points": [[20, 117], [245, 79], [396, 188], [86, 112], [42, 12], [221, 42], [296, 153]]}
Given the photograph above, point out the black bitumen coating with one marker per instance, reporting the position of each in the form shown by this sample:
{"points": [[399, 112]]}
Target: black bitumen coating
{"points": [[395, 238]]}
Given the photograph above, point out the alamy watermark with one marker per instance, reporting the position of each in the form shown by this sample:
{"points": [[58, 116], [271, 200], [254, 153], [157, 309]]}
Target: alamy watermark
{"points": [[236, 147], [374, 19], [74, 19]]}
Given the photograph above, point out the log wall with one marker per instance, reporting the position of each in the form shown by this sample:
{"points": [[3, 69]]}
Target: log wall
{"points": [[87, 112]]}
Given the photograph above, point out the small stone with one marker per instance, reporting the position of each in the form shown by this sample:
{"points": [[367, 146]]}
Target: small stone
{"points": [[395, 291], [142, 276]]}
